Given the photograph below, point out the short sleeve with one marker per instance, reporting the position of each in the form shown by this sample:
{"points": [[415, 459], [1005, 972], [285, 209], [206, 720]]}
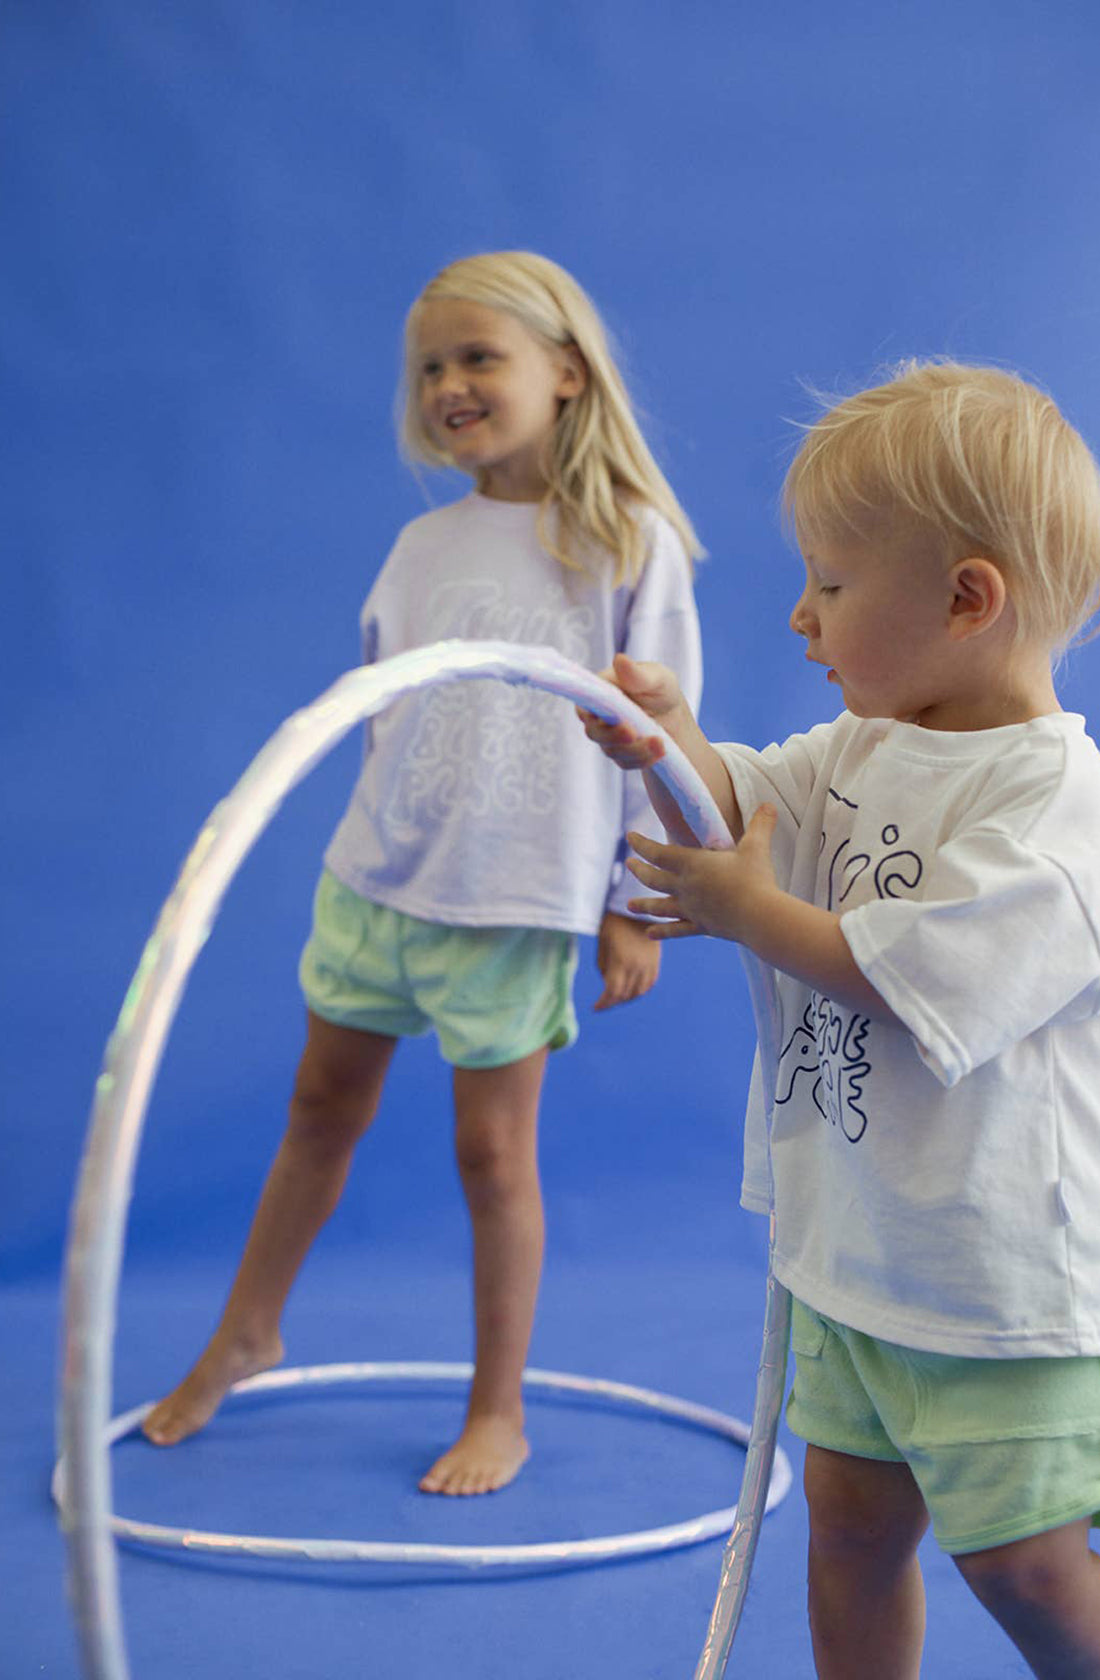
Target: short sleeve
{"points": [[999, 945], [662, 622], [662, 625], [786, 775]]}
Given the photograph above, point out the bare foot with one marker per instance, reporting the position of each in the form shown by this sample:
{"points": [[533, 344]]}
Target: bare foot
{"points": [[223, 1363], [488, 1455]]}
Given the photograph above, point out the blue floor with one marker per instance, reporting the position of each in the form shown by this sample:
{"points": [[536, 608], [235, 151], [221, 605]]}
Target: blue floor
{"points": [[344, 1463]]}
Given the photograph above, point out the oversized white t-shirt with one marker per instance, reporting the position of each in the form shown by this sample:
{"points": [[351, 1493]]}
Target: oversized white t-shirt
{"points": [[484, 804], [938, 1183]]}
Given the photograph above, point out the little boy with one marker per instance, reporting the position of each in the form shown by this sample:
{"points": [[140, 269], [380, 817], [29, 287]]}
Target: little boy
{"points": [[923, 874]]}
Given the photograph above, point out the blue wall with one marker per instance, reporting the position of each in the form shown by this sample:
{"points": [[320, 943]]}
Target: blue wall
{"points": [[214, 218]]}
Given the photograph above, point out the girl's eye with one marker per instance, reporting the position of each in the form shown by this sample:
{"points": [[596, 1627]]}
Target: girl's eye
{"points": [[828, 588]]}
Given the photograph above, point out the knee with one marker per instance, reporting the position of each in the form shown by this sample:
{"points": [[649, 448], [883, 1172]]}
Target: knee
{"points": [[327, 1112], [856, 1520], [838, 1532], [492, 1165], [1006, 1580]]}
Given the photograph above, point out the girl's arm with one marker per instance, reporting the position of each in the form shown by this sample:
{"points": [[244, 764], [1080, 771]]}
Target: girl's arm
{"points": [[655, 689]]}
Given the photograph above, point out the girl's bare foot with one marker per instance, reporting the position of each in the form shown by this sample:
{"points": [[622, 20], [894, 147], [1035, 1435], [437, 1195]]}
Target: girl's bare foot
{"points": [[488, 1455], [224, 1362]]}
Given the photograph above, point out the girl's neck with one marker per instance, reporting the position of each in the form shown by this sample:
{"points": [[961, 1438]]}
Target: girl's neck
{"points": [[500, 485]]}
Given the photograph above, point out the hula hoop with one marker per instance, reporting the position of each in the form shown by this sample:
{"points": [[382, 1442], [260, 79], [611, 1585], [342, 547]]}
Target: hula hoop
{"points": [[528, 1557], [133, 1055]]}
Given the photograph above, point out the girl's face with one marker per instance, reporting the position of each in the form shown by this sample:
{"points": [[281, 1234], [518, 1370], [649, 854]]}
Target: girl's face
{"points": [[490, 393], [878, 618]]}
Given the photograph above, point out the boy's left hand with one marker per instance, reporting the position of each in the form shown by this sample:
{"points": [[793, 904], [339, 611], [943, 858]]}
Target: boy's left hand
{"points": [[627, 958], [706, 892]]}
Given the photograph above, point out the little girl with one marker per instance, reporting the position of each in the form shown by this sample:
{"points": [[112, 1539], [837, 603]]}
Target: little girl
{"points": [[484, 834]]}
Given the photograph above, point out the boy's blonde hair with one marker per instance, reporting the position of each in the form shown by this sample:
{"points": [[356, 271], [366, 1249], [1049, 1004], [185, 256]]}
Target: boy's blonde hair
{"points": [[599, 468], [975, 459]]}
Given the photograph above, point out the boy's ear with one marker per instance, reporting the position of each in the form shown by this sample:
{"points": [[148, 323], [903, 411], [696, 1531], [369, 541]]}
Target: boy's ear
{"points": [[978, 597]]}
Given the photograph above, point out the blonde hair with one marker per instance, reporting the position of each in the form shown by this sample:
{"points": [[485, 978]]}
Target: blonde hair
{"points": [[979, 461], [599, 469]]}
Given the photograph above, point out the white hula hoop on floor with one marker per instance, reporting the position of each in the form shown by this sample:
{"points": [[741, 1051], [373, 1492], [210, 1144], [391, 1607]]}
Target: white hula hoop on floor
{"points": [[97, 1226], [448, 1559]]}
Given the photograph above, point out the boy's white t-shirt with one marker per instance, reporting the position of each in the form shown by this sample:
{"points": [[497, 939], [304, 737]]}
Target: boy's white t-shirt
{"points": [[938, 1184], [480, 803]]}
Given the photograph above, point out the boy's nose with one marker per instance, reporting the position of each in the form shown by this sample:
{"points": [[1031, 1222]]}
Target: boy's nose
{"points": [[800, 619]]}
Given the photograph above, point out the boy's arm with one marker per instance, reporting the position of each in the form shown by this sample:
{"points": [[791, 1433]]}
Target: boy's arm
{"points": [[734, 895], [655, 689]]}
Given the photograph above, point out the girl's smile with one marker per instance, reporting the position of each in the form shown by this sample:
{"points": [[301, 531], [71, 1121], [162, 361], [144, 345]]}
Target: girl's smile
{"points": [[490, 393]]}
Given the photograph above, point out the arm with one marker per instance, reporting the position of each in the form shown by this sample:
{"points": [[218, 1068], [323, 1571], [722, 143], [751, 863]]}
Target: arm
{"points": [[654, 688], [627, 958], [734, 895]]}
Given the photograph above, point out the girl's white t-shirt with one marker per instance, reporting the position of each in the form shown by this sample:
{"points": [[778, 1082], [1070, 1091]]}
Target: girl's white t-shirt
{"points": [[480, 803], [937, 1184]]}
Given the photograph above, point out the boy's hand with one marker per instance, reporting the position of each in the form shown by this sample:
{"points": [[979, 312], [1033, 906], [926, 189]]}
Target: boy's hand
{"points": [[720, 893], [627, 958], [651, 686]]}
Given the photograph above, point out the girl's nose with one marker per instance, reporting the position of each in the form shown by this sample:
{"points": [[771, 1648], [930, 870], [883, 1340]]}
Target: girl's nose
{"points": [[452, 379], [799, 619]]}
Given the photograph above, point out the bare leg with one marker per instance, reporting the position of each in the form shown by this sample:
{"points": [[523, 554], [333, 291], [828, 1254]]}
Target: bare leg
{"points": [[496, 1135], [1045, 1592], [335, 1098], [866, 1591]]}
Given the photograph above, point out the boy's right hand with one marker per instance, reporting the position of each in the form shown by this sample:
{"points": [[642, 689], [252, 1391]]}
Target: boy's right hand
{"points": [[655, 689]]}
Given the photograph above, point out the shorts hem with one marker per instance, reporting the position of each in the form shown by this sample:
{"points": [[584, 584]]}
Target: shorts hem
{"points": [[346, 1018], [1003, 1534], [892, 1457], [562, 1040]]}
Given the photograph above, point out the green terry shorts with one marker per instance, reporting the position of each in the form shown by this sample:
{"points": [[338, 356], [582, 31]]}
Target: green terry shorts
{"points": [[1000, 1448], [493, 995]]}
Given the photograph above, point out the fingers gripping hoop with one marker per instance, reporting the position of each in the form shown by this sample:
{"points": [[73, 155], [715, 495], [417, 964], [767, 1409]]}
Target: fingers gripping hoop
{"points": [[97, 1227]]}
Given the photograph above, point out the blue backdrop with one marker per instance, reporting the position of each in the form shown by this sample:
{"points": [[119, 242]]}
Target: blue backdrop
{"points": [[215, 218]]}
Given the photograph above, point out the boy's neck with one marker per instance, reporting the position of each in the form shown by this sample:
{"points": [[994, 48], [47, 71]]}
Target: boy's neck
{"points": [[1021, 688]]}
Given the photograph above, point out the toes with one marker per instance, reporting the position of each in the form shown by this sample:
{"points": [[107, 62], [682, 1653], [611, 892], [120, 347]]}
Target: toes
{"points": [[158, 1429], [458, 1480]]}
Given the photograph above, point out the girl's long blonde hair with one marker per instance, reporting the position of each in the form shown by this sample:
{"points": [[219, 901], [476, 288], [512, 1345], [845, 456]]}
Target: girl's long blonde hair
{"points": [[599, 469]]}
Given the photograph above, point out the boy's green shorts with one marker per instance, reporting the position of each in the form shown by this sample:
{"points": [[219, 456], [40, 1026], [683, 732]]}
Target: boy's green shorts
{"points": [[1000, 1448], [493, 995]]}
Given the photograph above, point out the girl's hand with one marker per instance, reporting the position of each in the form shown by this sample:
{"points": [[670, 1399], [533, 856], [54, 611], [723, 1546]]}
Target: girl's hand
{"points": [[627, 958], [720, 893], [651, 686]]}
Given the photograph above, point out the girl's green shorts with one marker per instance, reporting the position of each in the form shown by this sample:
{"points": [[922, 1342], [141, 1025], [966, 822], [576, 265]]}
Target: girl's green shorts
{"points": [[1000, 1448], [492, 995]]}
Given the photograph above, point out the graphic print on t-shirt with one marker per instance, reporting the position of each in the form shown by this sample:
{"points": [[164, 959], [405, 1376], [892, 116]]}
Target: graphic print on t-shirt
{"points": [[828, 1048], [499, 758]]}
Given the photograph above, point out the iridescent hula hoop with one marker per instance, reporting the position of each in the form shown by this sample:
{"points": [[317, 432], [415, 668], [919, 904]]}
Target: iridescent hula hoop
{"points": [[97, 1226], [450, 1559]]}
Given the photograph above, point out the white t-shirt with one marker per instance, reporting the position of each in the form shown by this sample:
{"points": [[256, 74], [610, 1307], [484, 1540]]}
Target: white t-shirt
{"points": [[937, 1184], [480, 803]]}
